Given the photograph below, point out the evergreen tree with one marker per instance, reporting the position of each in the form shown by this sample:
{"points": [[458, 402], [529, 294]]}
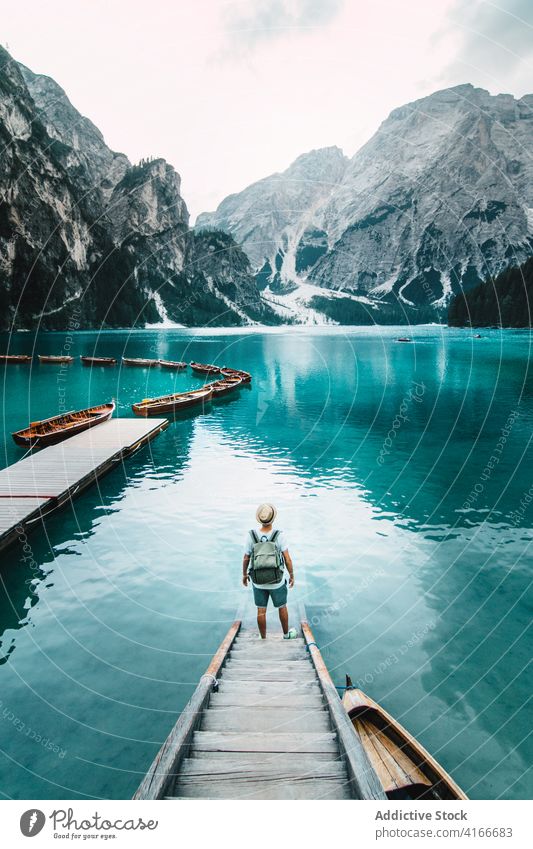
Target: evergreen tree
{"points": [[506, 301]]}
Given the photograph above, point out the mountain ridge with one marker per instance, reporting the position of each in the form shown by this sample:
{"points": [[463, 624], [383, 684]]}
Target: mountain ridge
{"points": [[81, 226], [438, 200]]}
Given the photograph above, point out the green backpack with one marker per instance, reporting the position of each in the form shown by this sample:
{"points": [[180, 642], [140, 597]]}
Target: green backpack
{"points": [[267, 565]]}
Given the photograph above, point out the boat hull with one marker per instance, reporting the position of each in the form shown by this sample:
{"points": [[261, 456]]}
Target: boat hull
{"points": [[15, 359], [172, 365], [222, 387], [172, 405], [43, 358], [245, 376], [406, 770], [60, 430], [201, 368], [98, 361], [126, 361]]}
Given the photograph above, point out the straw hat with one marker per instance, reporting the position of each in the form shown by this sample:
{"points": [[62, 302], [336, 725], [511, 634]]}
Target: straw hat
{"points": [[265, 514]]}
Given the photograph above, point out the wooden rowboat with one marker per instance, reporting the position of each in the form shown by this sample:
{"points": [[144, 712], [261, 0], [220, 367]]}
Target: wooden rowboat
{"points": [[172, 403], [50, 358], [245, 376], [15, 358], [406, 770], [202, 368], [50, 431], [137, 361], [98, 361], [176, 364], [222, 387]]}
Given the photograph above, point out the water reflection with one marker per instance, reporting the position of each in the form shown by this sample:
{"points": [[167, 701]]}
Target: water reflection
{"points": [[146, 571]]}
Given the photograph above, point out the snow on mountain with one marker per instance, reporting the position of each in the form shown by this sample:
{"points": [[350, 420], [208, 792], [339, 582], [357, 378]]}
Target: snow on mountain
{"points": [[439, 199], [278, 220]]}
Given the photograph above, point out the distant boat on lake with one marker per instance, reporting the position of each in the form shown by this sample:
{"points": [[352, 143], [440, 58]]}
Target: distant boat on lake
{"points": [[245, 376], [203, 368], [98, 361], [137, 361], [172, 403], [15, 358], [52, 358], [172, 364], [222, 387]]}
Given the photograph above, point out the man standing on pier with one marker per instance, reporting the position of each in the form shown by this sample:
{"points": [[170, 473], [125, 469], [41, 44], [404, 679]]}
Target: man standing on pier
{"points": [[266, 555]]}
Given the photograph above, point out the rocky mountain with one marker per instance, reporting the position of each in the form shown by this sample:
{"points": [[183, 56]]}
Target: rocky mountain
{"points": [[439, 199], [278, 220], [85, 234], [86, 154], [505, 302]]}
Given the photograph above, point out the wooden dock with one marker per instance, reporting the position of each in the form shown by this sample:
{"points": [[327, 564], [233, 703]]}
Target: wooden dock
{"points": [[52, 477], [265, 722]]}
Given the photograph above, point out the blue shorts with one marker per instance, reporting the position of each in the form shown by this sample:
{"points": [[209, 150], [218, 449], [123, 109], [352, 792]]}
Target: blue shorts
{"points": [[278, 596]]}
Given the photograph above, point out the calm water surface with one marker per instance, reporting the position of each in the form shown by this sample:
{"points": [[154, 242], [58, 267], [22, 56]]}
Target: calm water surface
{"points": [[411, 547]]}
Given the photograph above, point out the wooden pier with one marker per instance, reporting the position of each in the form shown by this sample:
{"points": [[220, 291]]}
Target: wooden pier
{"points": [[265, 722], [50, 478]]}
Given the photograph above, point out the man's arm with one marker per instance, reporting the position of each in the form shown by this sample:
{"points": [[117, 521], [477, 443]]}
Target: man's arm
{"points": [[245, 576], [290, 568]]}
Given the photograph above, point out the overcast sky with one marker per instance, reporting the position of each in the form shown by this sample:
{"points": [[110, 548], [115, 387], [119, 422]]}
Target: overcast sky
{"points": [[229, 91]]}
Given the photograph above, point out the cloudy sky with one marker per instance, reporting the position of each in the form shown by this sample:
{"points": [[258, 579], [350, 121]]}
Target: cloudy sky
{"points": [[229, 91]]}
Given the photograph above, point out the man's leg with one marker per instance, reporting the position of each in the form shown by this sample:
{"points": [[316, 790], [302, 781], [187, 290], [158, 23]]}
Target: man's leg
{"points": [[279, 599], [284, 618], [261, 602], [262, 621]]}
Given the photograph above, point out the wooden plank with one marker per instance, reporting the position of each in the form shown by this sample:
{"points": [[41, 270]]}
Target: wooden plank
{"points": [[236, 741], [258, 657], [375, 754], [265, 720], [167, 761], [270, 688], [269, 789], [266, 757], [250, 638], [249, 675], [245, 664], [365, 783], [271, 662], [399, 763], [251, 699], [282, 767], [268, 652]]}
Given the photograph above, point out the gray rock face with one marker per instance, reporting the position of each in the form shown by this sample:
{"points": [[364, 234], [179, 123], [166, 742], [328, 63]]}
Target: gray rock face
{"points": [[147, 201], [278, 221], [84, 233], [86, 153], [440, 198]]}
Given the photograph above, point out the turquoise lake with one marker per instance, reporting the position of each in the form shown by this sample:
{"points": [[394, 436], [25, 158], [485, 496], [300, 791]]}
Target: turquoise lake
{"points": [[412, 547]]}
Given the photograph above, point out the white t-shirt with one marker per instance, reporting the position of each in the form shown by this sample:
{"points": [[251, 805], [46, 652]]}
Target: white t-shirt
{"points": [[281, 544]]}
